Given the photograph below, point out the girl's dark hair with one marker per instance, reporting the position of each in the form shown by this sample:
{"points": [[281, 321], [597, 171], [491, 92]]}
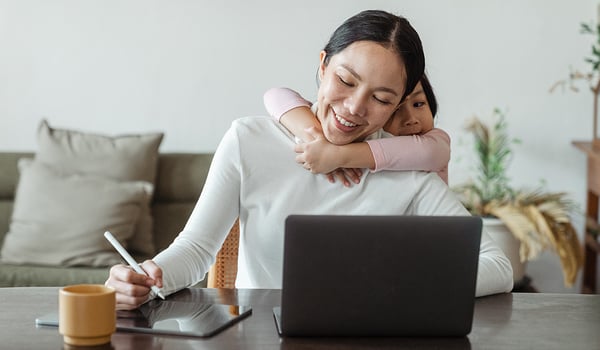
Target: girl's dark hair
{"points": [[391, 31], [429, 95]]}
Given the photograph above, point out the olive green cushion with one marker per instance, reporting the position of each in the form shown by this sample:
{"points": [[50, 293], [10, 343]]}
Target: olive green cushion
{"points": [[49, 276]]}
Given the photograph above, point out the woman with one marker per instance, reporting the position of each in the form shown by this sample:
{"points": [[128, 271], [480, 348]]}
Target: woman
{"points": [[371, 62]]}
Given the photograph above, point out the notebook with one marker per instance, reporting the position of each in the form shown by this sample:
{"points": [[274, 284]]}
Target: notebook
{"points": [[378, 275]]}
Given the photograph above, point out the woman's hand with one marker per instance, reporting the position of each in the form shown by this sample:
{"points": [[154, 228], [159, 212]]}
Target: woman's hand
{"points": [[133, 289]]}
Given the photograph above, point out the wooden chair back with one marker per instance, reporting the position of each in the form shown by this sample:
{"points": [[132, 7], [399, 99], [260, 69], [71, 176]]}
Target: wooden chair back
{"points": [[224, 271]]}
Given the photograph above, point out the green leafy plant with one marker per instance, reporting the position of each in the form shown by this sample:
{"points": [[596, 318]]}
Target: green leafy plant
{"points": [[538, 219], [492, 148], [592, 77], [595, 59]]}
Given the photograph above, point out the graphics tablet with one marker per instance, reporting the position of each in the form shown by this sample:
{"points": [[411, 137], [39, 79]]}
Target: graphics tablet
{"points": [[173, 316]]}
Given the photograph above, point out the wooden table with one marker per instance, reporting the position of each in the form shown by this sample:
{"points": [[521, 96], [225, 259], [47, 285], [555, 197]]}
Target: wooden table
{"points": [[504, 321], [591, 245]]}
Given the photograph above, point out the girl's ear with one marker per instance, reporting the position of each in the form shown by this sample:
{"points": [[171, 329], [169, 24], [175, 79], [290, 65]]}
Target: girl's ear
{"points": [[322, 64]]}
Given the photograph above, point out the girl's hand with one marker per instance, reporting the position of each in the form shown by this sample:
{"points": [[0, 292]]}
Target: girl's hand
{"points": [[345, 175], [318, 156]]}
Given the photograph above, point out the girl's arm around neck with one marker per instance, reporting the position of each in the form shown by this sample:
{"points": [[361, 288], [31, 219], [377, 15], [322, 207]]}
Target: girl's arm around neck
{"points": [[428, 152], [322, 157]]}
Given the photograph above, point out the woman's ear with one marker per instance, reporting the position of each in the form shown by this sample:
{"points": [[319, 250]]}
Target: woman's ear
{"points": [[322, 64]]}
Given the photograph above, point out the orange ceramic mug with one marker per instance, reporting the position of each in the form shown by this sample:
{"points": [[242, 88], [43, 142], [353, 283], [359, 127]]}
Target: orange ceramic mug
{"points": [[86, 314]]}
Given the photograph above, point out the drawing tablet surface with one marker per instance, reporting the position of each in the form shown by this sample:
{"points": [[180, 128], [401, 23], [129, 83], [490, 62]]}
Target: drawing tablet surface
{"points": [[173, 316]]}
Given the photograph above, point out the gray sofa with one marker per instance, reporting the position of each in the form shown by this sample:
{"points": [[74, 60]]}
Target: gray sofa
{"points": [[180, 179]]}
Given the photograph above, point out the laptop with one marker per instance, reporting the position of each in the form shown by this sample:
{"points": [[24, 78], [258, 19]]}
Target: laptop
{"points": [[378, 275]]}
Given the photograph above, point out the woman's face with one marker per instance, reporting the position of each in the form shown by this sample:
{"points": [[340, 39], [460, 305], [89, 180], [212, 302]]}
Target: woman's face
{"points": [[413, 115], [361, 86]]}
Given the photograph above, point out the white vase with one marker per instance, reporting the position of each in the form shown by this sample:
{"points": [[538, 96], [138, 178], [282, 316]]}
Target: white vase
{"points": [[508, 243]]}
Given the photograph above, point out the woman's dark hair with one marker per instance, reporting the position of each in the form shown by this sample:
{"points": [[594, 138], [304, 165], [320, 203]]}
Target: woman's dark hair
{"points": [[391, 31], [429, 95]]}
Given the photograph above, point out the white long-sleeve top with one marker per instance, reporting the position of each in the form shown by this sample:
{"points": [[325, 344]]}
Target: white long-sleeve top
{"points": [[254, 176]]}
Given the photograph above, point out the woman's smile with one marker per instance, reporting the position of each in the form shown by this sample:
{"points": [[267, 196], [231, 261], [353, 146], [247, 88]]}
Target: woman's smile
{"points": [[344, 122]]}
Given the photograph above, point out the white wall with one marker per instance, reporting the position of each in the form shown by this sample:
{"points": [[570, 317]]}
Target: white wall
{"points": [[189, 68]]}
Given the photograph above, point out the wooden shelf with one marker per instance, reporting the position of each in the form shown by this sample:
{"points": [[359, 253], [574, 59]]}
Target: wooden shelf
{"points": [[592, 243], [591, 246]]}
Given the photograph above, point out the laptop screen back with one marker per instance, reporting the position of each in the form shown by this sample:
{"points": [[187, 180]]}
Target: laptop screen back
{"points": [[379, 275]]}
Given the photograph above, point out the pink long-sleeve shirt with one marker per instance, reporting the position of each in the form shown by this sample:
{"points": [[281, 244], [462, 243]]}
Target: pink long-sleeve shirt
{"points": [[429, 151]]}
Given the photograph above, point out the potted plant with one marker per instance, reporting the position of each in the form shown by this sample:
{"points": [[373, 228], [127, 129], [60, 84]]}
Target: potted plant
{"points": [[536, 219]]}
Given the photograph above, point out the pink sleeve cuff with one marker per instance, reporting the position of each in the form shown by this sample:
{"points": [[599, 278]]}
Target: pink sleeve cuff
{"points": [[378, 153], [280, 100]]}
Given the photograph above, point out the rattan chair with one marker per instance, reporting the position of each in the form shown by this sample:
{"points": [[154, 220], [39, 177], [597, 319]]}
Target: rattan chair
{"points": [[224, 271]]}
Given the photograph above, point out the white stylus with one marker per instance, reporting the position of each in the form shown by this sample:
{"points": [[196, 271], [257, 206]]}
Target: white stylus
{"points": [[130, 260]]}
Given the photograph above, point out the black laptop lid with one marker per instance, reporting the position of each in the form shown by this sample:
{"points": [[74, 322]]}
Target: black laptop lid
{"points": [[379, 275]]}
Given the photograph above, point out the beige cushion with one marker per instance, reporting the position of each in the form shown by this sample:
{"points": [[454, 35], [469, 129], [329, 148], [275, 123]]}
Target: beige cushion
{"points": [[122, 157], [60, 218]]}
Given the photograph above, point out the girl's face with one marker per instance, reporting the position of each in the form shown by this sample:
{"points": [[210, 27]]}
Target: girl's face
{"points": [[361, 86], [413, 115]]}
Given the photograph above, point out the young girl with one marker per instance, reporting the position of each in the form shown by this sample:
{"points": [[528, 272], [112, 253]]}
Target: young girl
{"points": [[417, 145]]}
